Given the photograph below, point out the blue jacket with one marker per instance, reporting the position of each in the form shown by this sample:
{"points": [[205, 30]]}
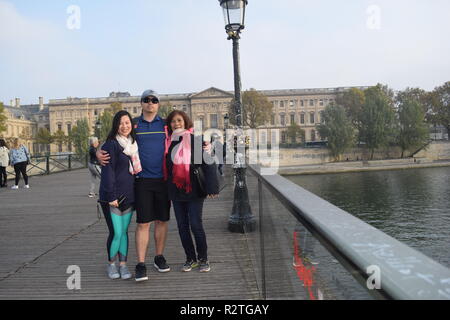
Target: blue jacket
{"points": [[116, 178], [212, 185], [19, 155]]}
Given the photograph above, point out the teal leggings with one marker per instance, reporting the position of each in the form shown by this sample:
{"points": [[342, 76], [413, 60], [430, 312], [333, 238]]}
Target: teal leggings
{"points": [[118, 222]]}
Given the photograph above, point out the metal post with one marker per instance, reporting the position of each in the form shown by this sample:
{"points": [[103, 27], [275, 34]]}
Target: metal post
{"points": [[47, 164], [241, 219]]}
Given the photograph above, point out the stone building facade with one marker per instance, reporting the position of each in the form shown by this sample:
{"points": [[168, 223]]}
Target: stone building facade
{"points": [[302, 106]]}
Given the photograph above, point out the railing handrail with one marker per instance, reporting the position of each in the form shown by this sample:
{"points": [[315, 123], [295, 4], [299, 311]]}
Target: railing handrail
{"points": [[405, 272]]}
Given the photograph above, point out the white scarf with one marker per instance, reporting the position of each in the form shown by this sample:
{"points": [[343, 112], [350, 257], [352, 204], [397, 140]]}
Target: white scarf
{"points": [[130, 149]]}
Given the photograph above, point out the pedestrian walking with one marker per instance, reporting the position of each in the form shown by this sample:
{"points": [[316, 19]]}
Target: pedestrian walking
{"points": [[117, 191], [20, 158], [185, 189], [4, 162], [93, 165]]}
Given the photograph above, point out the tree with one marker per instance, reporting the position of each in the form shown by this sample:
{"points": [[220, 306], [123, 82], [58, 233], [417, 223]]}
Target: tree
{"points": [[294, 132], [377, 118], [105, 121], [44, 136], [439, 101], [165, 109], [413, 131], [3, 118], [337, 129], [60, 138], [79, 136], [256, 109], [116, 107], [353, 101]]}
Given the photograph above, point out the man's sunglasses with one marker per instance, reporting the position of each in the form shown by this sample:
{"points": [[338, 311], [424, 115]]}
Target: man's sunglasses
{"points": [[152, 100]]}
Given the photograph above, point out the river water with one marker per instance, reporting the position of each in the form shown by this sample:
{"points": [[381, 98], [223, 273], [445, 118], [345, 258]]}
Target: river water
{"points": [[412, 205]]}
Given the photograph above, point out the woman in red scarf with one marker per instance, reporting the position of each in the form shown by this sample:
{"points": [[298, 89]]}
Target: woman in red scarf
{"points": [[184, 189]]}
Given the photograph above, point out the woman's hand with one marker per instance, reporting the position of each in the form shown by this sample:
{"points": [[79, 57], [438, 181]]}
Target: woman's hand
{"points": [[102, 157], [114, 204], [213, 196]]}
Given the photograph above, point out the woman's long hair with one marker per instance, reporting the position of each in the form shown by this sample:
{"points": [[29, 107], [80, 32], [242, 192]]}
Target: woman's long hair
{"points": [[3, 143], [116, 124]]}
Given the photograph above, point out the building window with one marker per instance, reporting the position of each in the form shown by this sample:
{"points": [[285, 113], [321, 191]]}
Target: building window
{"points": [[302, 103], [272, 119], [283, 137], [134, 110], [311, 117], [313, 135], [321, 102], [59, 127], [69, 128], [322, 120], [302, 118], [291, 103], [213, 120], [282, 119], [292, 118], [311, 103], [282, 104]]}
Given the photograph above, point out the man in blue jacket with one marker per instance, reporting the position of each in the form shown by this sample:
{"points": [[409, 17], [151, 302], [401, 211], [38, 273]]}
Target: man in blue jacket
{"points": [[152, 202]]}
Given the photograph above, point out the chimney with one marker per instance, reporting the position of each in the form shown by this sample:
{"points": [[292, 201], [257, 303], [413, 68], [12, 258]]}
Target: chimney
{"points": [[17, 103], [41, 103]]}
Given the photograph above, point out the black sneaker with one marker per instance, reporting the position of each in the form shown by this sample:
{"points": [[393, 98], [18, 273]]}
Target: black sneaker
{"points": [[160, 264], [141, 272]]}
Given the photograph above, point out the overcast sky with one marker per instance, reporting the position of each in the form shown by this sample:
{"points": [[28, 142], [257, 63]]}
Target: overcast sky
{"points": [[180, 46]]}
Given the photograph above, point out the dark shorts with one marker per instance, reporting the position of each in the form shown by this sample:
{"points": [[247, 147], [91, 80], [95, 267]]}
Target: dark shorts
{"points": [[151, 200]]}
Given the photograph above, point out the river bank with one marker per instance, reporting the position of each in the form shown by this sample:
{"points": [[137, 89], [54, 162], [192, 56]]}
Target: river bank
{"points": [[361, 166]]}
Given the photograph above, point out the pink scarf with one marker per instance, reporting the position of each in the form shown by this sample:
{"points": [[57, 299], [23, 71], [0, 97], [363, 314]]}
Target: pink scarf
{"points": [[181, 158]]}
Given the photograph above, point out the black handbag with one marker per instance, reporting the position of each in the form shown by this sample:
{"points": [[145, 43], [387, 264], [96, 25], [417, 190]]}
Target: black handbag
{"points": [[201, 179]]}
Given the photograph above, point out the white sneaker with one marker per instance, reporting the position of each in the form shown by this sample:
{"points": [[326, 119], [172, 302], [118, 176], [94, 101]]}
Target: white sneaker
{"points": [[27, 186], [15, 187]]}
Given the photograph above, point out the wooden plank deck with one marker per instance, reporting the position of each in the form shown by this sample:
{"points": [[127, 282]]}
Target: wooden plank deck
{"points": [[54, 224]]}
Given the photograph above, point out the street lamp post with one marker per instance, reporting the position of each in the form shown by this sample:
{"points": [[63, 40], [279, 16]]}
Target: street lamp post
{"points": [[241, 219]]}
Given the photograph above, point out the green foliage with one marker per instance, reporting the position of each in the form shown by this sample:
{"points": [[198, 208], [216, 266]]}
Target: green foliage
{"points": [[60, 138], [337, 128], [413, 131], [439, 102], [105, 121], [353, 101], [294, 132], [256, 109], [116, 107], [79, 136], [3, 118], [44, 136], [377, 121], [165, 109]]}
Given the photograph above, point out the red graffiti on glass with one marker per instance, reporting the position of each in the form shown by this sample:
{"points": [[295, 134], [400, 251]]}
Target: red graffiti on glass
{"points": [[305, 274]]}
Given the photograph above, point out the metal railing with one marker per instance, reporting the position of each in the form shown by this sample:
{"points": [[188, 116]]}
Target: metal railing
{"points": [[51, 163], [307, 248]]}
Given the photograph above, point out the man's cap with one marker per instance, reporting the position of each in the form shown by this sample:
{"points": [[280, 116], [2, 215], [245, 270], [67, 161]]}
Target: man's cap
{"points": [[149, 93]]}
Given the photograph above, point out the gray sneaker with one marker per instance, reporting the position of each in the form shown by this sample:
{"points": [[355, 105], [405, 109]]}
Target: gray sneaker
{"points": [[189, 265], [204, 266], [124, 272], [112, 271]]}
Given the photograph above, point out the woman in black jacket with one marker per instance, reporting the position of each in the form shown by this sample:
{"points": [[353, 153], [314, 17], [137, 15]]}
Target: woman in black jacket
{"points": [[184, 188]]}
